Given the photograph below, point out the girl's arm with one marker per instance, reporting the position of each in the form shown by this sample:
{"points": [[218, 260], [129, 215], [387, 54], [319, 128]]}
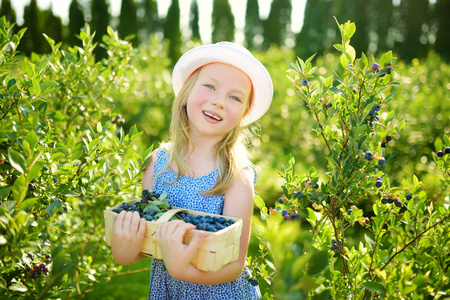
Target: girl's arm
{"points": [[177, 256], [129, 228]]}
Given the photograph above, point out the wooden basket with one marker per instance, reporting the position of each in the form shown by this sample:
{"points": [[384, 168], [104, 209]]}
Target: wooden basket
{"points": [[216, 249]]}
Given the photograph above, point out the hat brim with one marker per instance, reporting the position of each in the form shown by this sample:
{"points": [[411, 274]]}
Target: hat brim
{"points": [[237, 56]]}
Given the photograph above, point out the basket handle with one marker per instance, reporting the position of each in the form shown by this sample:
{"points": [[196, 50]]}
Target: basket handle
{"points": [[169, 214]]}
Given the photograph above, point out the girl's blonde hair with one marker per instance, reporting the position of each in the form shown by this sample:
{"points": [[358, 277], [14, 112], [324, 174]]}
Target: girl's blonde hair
{"points": [[231, 154]]}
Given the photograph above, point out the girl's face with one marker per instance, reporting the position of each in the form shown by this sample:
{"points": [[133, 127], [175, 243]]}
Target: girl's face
{"points": [[218, 100]]}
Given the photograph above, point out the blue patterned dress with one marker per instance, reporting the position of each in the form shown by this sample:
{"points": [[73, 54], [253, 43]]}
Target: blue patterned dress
{"points": [[184, 193]]}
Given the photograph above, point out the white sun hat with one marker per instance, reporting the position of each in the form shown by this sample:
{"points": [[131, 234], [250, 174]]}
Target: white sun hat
{"points": [[237, 56]]}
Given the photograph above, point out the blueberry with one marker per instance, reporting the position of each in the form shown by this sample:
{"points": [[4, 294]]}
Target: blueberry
{"points": [[202, 226], [372, 113], [408, 197], [316, 186], [389, 70], [369, 155], [376, 107], [440, 153], [388, 138], [117, 210], [447, 150], [390, 200], [299, 195], [379, 183], [284, 212], [280, 200], [304, 82], [222, 220], [296, 217], [349, 212], [117, 118], [254, 282], [145, 193], [383, 145], [384, 201], [55, 180], [375, 67], [382, 162], [287, 217], [398, 203]]}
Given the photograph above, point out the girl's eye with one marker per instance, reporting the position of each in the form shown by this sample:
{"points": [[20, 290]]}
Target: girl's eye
{"points": [[209, 86], [235, 98]]}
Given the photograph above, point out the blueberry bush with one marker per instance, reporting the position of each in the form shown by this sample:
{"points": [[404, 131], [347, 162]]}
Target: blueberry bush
{"points": [[358, 210], [64, 158], [345, 230]]}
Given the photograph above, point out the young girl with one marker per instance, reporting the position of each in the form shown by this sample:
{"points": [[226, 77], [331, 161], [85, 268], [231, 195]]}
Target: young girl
{"points": [[219, 88]]}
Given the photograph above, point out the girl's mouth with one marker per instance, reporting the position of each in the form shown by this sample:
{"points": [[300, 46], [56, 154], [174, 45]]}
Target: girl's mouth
{"points": [[213, 116]]}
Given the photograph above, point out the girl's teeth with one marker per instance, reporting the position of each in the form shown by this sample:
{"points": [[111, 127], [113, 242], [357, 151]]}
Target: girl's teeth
{"points": [[213, 116]]}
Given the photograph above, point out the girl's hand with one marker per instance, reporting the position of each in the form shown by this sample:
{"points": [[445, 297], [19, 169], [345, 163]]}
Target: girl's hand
{"points": [[176, 255], [127, 237]]}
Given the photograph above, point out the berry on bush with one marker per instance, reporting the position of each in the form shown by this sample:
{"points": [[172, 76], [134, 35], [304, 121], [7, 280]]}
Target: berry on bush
{"points": [[304, 82], [408, 197], [369, 155], [440, 153], [254, 282], [375, 67]]}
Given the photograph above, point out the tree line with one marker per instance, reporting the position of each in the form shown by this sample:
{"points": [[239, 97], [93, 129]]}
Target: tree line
{"points": [[411, 28]]}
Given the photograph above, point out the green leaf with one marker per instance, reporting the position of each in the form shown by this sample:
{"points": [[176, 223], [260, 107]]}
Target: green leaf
{"points": [[149, 207], [163, 196], [369, 241], [17, 160], [36, 87], [27, 203], [259, 202], [31, 138], [374, 286], [351, 53], [11, 82], [339, 47], [18, 287], [99, 127], [34, 171]]}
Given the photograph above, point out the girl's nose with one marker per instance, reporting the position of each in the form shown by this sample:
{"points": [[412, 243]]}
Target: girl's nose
{"points": [[218, 100]]}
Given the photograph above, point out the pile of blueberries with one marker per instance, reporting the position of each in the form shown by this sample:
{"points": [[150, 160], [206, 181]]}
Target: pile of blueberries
{"points": [[206, 222], [151, 206]]}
